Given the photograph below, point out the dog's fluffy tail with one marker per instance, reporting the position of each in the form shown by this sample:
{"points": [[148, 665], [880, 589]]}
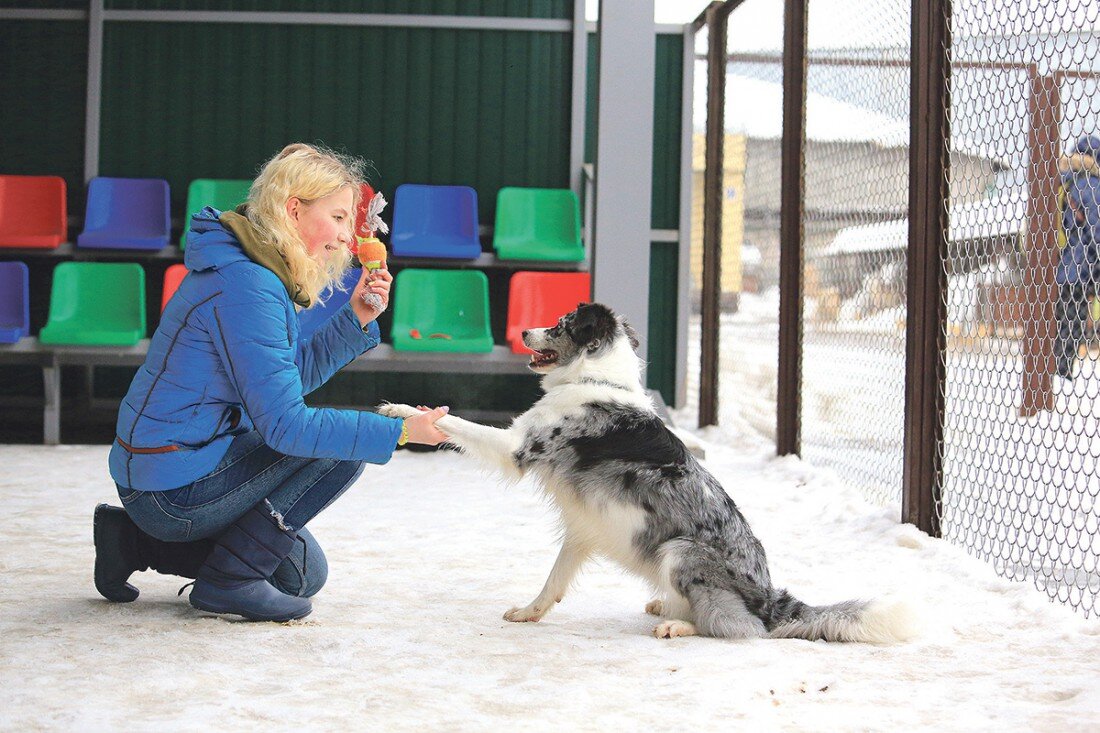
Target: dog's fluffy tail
{"points": [[886, 621]]}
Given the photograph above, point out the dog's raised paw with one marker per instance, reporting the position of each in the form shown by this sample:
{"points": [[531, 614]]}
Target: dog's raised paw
{"points": [[527, 613], [654, 607], [390, 409], [674, 628]]}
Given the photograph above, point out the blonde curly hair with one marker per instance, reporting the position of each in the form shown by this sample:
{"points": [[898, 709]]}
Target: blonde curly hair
{"points": [[309, 173]]}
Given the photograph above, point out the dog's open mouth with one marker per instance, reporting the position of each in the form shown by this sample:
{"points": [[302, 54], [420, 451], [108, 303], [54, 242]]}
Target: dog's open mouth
{"points": [[542, 358]]}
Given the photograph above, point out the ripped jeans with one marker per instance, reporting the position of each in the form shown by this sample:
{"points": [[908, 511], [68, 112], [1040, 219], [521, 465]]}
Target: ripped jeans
{"points": [[296, 490]]}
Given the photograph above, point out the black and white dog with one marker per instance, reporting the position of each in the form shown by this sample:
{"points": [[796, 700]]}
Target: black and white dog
{"points": [[628, 489]]}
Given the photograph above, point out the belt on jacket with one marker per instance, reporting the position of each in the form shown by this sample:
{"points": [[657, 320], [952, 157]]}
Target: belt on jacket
{"points": [[143, 451]]}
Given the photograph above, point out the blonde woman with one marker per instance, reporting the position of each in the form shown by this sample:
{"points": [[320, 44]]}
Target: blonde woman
{"points": [[219, 462]]}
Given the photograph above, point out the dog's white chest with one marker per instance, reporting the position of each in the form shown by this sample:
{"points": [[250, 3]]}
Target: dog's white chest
{"points": [[609, 527]]}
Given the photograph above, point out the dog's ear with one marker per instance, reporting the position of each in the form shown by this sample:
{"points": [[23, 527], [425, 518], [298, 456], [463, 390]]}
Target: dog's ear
{"points": [[630, 333], [593, 326]]}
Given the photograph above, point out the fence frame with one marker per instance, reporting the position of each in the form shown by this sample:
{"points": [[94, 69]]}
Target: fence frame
{"points": [[926, 310]]}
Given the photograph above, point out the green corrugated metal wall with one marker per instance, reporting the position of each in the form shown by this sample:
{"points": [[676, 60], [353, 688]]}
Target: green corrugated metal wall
{"points": [[42, 85], [183, 101], [480, 108]]}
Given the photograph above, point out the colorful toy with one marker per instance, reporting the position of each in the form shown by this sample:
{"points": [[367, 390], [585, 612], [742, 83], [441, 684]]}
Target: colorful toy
{"points": [[371, 251]]}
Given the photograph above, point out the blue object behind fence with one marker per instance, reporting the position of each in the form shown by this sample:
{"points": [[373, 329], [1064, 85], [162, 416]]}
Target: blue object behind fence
{"points": [[435, 221], [126, 213]]}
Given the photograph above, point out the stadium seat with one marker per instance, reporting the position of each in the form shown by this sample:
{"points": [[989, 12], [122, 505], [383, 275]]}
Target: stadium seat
{"points": [[173, 276], [538, 224], [15, 317], [96, 303], [538, 299], [126, 213], [222, 194], [441, 310], [313, 318], [32, 211], [435, 221]]}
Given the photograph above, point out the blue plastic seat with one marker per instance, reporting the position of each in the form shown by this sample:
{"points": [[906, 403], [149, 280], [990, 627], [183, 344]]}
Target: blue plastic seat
{"points": [[313, 318], [15, 317], [435, 221], [126, 213]]}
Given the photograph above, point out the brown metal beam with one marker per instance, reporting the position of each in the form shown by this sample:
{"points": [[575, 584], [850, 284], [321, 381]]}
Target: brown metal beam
{"points": [[926, 318], [1044, 131], [712, 214], [788, 424]]}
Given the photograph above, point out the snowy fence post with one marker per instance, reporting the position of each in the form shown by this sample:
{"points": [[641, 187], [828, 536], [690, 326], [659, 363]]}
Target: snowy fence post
{"points": [[788, 427], [925, 323]]}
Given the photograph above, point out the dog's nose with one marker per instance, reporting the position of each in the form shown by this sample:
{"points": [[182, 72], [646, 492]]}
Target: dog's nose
{"points": [[525, 334]]}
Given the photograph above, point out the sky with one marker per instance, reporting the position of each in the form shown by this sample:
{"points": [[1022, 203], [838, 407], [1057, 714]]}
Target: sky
{"points": [[757, 24]]}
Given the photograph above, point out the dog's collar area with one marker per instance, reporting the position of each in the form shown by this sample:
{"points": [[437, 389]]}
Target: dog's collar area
{"points": [[604, 383]]}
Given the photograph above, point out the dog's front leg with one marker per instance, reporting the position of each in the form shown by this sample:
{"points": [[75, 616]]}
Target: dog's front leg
{"points": [[572, 556], [494, 446]]}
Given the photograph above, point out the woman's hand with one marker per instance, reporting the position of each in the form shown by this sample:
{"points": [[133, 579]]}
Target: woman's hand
{"points": [[377, 282], [422, 427]]}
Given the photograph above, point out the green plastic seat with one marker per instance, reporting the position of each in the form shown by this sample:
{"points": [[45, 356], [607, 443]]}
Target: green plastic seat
{"points": [[451, 303], [222, 194], [538, 224], [97, 304]]}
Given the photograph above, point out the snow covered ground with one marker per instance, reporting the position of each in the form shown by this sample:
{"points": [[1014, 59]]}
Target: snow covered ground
{"points": [[426, 554]]}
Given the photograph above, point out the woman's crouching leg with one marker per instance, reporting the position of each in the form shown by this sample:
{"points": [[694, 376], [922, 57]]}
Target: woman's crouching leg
{"points": [[305, 569]]}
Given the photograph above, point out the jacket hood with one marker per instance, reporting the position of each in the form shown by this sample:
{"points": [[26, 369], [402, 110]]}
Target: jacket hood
{"points": [[210, 245], [217, 239]]}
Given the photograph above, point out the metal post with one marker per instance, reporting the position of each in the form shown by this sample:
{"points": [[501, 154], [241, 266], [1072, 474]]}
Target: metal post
{"points": [[94, 90], [788, 420], [51, 413], [926, 318], [624, 162], [1045, 117], [716, 17]]}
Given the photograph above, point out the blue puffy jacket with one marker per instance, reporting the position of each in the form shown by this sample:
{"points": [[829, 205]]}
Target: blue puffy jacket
{"points": [[1080, 260], [226, 360]]}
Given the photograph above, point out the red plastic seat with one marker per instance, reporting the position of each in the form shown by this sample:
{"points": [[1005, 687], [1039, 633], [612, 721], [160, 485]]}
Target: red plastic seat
{"points": [[539, 299], [173, 276], [32, 211]]}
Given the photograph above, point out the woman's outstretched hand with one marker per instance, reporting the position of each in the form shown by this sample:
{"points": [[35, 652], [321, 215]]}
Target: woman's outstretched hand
{"points": [[374, 281], [422, 427]]}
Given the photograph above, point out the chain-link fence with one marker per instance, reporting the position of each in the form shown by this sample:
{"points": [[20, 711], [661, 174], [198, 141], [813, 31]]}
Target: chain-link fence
{"points": [[856, 196], [1020, 446], [1013, 472]]}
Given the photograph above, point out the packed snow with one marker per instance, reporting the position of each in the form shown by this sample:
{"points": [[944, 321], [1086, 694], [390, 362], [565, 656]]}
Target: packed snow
{"points": [[426, 553]]}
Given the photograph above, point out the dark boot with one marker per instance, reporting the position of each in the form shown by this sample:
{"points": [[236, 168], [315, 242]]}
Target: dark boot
{"points": [[234, 578], [121, 548]]}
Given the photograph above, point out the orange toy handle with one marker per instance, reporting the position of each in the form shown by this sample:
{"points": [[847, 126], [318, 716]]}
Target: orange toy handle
{"points": [[371, 253]]}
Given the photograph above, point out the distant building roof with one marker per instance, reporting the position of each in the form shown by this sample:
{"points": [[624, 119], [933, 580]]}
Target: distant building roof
{"points": [[1002, 216], [754, 108]]}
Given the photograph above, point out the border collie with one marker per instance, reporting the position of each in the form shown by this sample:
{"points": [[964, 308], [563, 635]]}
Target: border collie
{"points": [[629, 490]]}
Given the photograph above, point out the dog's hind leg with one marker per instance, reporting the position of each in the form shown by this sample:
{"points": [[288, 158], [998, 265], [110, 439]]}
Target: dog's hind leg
{"points": [[697, 574], [572, 556]]}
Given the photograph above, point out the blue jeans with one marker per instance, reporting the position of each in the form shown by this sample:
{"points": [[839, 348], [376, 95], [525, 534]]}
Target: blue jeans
{"points": [[298, 489]]}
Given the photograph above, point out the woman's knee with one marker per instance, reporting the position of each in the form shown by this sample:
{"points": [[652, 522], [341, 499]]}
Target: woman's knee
{"points": [[305, 569]]}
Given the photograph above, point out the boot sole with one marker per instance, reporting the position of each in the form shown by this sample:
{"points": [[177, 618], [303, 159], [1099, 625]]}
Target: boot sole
{"points": [[211, 608]]}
